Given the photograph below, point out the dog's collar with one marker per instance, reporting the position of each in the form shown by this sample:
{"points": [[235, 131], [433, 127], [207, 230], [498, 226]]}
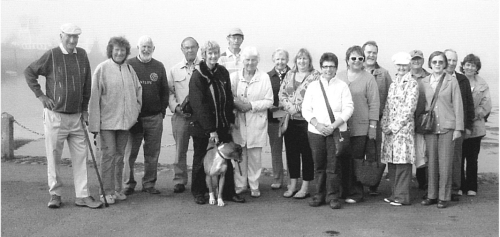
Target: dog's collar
{"points": [[218, 151]]}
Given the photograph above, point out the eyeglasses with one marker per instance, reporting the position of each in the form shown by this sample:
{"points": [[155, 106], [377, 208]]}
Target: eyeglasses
{"points": [[191, 47], [361, 59], [438, 62], [329, 67]]}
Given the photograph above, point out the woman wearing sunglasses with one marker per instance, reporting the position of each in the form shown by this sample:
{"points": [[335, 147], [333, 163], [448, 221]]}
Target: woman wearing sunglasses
{"points": [[363, 122], [449, 124]]}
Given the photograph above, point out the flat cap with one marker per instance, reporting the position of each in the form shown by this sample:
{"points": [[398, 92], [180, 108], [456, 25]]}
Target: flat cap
{"points": [[401, 58], [416, 53], [235, 31], [71, 29]]}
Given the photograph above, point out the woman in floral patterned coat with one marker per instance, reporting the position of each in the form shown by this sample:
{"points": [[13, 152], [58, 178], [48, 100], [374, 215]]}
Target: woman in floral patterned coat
{"points": [[398, 130]]}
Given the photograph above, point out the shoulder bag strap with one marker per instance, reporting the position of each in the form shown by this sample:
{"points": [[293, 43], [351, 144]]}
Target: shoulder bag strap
{"points": [[330, 112]]}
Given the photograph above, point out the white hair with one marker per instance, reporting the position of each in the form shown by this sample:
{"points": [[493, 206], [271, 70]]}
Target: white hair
{"points": [[145, 39], [248, 52], [280, 51]]}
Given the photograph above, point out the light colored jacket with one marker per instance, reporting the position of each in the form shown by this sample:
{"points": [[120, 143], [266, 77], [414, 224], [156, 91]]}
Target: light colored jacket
{"points": [[482, 106], [116, 97], [398, 120], [178, 83], [449, 108], [339, 98], [251, 127]]}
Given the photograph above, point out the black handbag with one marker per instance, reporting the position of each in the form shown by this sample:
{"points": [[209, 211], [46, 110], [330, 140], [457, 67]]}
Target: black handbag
{"points": [[341, 139], [186, 106], [369, 171], [426, 121]]}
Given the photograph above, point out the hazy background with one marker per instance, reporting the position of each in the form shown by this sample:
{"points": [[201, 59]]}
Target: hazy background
{"points": [[468, 26]]}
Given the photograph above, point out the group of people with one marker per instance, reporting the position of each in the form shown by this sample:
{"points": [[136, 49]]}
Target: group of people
{"points": [[124, 101]]}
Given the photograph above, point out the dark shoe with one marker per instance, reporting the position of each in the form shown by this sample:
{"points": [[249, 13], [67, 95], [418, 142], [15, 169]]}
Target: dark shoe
{"points": [[442, 204], [55, 201], [289, 193], [316, 202], [128, 191], [455, 197], [151, 190], [334, 204], [199, 200], [179, 188], [237, 198], [88, 202], [428, 202]]}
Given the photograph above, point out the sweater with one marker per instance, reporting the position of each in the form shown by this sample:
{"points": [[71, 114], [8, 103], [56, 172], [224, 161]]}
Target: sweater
{"points": [[153, 78], [116, 97], [68, 79]]}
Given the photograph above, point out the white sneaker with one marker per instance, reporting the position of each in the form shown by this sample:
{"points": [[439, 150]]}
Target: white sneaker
{"points": [[119, 196], [471, 193], [460, 193], [109, 198]]}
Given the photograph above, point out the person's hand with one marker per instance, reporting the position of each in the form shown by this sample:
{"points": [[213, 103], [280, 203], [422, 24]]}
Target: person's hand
{"points": [[238, 104], [179, 111], [321, 128], [47, 102], [329, 130], [274, 108], [372, 133], [456, 135], [214, 137], [85, 117], [467, 133]]}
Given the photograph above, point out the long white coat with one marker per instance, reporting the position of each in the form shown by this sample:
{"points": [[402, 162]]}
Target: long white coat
{"points": [[251, 127]]}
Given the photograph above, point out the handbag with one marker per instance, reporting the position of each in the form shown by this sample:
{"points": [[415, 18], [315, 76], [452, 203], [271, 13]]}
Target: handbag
{"points": [[341, 139], [186, 106], [369, 172], [426, 121], [283, 124]]}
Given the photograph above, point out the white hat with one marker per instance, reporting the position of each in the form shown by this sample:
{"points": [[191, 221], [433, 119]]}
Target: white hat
{"points": [[401, 58], [71, 29]]}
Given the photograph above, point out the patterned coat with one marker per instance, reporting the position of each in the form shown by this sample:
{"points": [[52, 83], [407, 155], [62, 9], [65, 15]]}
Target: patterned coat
{"points": [[291, 95], [398, 121]]}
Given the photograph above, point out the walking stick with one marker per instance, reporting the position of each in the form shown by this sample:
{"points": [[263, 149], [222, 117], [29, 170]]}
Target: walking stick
{"points": [[85, 131]]}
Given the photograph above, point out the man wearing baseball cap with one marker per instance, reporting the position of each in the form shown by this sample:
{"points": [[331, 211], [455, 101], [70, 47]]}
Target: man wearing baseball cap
{"points": [[65, 102], [418, 73], [231, 58]]}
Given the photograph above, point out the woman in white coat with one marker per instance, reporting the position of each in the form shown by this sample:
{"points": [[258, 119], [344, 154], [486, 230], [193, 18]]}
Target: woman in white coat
{"points": [[253, 96]]}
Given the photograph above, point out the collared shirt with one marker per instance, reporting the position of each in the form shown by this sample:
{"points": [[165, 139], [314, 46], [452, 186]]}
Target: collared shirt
{"points": [[339, 98], [232, 62], [64, 51], [434, 82], [178, 82]]}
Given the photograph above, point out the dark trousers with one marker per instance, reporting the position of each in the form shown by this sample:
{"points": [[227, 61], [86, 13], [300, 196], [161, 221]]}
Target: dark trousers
{"points": [[296, 145], [421, 175], [378, 142], [352, 188], [456, 175], [470, 153], [198, 184], [400, 177], [326, 167]]}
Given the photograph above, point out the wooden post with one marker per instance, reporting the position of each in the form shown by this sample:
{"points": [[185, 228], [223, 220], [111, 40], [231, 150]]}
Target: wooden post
{"points": [[7, 136]]}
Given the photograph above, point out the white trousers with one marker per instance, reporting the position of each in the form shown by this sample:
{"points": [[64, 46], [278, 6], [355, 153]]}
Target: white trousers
{"points": [[251, 167], [58, 128]]}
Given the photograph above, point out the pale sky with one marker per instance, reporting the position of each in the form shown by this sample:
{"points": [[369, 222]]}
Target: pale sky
{"points": [[468, 26]]}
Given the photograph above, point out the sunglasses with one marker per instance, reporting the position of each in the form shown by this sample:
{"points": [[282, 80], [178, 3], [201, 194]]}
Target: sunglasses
{"points": [[361, 59], [438, 62]]}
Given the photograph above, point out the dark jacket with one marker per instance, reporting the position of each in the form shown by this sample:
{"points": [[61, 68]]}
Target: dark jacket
{"points": [[210, 113], [275, 84], [467, 99]]}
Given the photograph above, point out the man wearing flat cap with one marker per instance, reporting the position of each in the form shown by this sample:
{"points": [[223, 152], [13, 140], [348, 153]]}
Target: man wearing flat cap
{"points": [[231, 58], [418, 73], [67, 73]]}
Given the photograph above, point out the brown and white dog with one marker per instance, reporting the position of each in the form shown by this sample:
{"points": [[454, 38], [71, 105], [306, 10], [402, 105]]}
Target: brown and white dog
{"points": [[215, 164]]}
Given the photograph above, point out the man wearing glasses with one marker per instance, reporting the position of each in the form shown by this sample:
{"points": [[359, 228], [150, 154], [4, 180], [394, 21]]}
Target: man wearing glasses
{"points": [[178, 83], [231, 58]]}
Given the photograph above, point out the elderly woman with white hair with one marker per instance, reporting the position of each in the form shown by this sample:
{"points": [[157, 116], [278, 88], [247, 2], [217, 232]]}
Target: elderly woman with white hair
{"points": [[253, 95], [398, 128]]}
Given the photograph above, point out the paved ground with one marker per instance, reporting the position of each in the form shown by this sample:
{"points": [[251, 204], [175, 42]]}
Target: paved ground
{"points": [[24, 212]]}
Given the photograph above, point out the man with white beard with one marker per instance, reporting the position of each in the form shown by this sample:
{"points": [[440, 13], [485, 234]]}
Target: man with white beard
{"points": [[153, 78]]}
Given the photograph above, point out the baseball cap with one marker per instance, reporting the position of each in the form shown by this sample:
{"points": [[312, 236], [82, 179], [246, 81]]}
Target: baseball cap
{"points": [[416, 53], [235, 31], [71, 29]]}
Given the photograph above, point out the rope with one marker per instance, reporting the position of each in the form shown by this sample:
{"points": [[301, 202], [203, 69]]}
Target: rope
{"points": [[26, 128]]}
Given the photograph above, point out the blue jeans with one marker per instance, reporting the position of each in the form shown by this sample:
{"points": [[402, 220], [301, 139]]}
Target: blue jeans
{"points": [[151, 131]]}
